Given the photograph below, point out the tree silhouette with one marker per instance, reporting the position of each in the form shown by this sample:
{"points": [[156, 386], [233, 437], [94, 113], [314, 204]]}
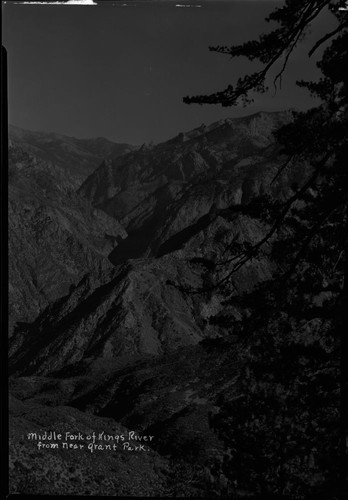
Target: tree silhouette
{"points": [[317, 213]]}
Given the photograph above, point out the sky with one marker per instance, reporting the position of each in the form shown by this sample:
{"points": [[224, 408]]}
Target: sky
{"points": [[121, 71]]}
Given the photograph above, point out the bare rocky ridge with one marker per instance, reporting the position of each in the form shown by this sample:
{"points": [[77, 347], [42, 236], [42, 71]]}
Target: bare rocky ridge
{"points": [[141, 307], [75, 158]]}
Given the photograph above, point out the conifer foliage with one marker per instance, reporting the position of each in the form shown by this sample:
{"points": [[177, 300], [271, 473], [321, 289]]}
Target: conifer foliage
{"points": [[296, 361]]}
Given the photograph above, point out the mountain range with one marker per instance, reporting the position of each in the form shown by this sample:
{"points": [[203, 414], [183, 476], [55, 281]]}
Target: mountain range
{"points": [[124, 311]]}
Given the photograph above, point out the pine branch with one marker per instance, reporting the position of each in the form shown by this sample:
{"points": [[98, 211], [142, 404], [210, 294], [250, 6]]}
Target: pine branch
{"points": [[327, 37], [243, 257], [312, 232], [290, 36]]}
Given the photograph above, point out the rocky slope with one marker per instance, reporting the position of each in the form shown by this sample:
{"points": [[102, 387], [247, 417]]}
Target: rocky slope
{"points": [[213, 409], [53, 471], [138, 308], [157, 192], [55, 237]]}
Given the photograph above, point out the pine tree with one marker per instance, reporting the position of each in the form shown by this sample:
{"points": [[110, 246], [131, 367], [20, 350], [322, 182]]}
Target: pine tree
{"points": [[312, 225]]}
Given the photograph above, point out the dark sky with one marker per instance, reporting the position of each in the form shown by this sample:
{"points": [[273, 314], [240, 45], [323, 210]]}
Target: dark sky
{"points": [[121, 72]]}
